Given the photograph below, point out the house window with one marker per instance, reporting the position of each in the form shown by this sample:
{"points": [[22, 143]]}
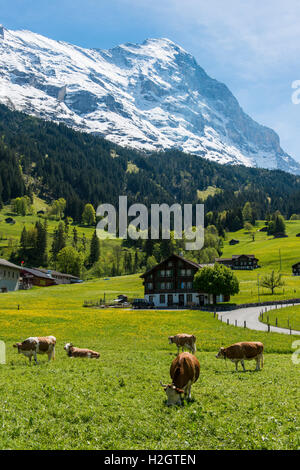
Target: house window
{"points": [[162, 285], [162, 273], [150, 285], [188, 272], [162, 299], [189, 298]]}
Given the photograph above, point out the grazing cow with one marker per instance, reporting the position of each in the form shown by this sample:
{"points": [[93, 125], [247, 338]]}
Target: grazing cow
{"points": [[78, 352], [184, 371], [37, 345], [239, 352], [184, 341]]}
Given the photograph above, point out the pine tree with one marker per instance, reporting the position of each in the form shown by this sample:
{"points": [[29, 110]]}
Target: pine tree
{"points": [[84, 243], [75, 238], [59, 240], [24, 240], [136, 262], [40, 249], [95, 249]]}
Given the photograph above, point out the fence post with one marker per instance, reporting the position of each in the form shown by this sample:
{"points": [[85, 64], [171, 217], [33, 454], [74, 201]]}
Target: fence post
{"points": [[276, 322], [227, 321], [235, 322], [245, 325], [268, 327], [290, 330]]}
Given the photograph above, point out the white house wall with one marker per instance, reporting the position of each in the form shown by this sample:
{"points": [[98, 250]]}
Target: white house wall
{"points": [[208, 299], [9, 279]]}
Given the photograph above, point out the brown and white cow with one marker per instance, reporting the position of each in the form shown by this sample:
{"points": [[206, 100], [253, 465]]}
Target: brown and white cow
{"points": [[239, 352], [37, 345], [184, 371], [78, 352], [184, 341]]}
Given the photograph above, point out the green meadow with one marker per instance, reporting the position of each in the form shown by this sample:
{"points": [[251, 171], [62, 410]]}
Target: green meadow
{"points": [[274, 255], [116, 402], [286, 317], [10, 234]]}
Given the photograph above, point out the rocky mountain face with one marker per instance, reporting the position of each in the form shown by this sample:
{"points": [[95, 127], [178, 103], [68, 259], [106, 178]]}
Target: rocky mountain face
{"points": [[148, 96]]}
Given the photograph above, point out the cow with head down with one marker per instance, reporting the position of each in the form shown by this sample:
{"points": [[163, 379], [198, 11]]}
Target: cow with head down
{"points": [[37, 345], [184, 371], [239, 352]]}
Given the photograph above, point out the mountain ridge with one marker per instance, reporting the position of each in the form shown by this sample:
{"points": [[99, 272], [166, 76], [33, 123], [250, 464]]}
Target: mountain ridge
{"points": [[151, 96]]}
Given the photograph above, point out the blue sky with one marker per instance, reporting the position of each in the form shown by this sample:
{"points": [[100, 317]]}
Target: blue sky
{"points": [[252, 46]]}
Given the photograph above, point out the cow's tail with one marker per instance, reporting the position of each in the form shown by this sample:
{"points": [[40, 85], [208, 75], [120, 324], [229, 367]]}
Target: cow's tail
{"points": [[194, 344]]}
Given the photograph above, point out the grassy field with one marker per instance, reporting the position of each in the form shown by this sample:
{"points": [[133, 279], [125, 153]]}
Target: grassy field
{"points": [[117, 402], [286, 317], [269, 251], [10, 234]]}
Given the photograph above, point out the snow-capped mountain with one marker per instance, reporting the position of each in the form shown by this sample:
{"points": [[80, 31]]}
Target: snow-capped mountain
{"points": [[149, 96]]}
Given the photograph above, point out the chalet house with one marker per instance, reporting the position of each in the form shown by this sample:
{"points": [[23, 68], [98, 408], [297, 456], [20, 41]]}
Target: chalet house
{"points": [[234, 242], [34, 277], [9, 276], [59, 278], [239, 262], [296, 269], [170, 283]]}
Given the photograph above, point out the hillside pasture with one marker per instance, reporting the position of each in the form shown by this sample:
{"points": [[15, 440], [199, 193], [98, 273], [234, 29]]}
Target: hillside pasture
{"points": [[278, 254], [286, 317], [117, 402]]}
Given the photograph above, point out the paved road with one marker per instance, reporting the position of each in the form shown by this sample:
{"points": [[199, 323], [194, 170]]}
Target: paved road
{"points": [[251, 316]]}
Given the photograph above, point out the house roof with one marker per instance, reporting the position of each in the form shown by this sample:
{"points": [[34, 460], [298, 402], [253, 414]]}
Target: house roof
{"points": [[56, 273], [7, 264], [188, 261], [235, 257], [37, 273], [223, 259]]}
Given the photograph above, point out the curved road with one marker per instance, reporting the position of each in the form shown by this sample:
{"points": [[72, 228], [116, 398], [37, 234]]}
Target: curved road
{"points": [[251, 316]]}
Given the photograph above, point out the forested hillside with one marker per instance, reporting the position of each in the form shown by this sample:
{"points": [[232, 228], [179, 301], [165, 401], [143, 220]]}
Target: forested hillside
{"points": [[55, 161]]}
